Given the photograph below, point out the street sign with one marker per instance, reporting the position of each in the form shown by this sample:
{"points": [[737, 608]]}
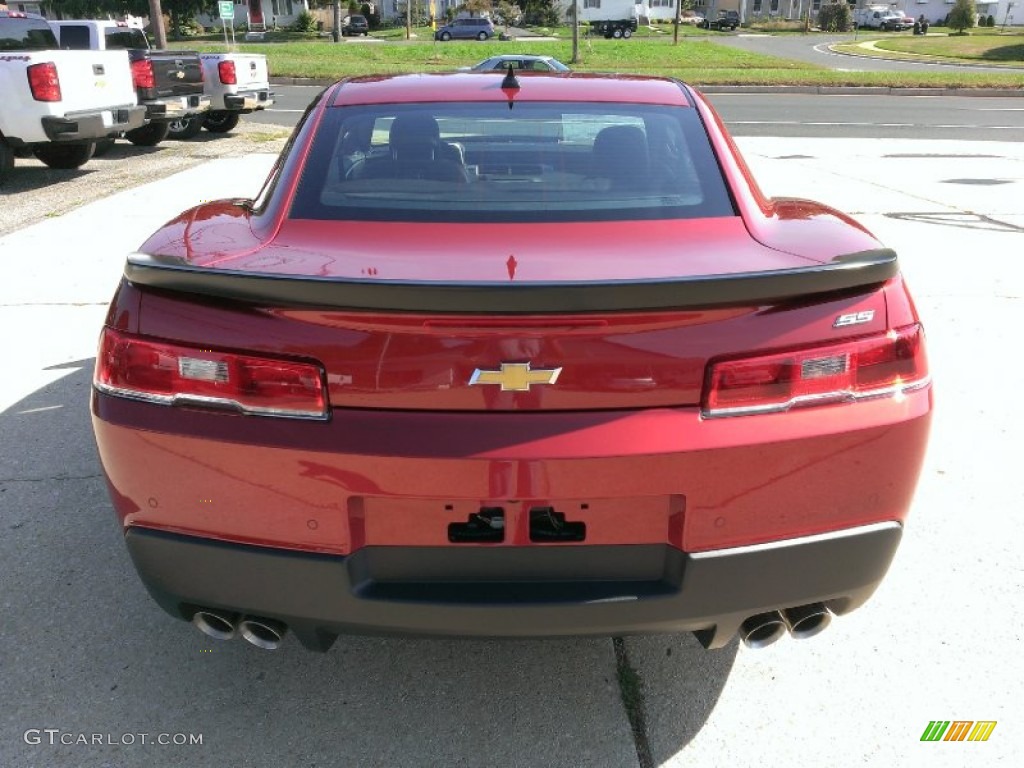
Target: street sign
{"points": [[227, 10]]}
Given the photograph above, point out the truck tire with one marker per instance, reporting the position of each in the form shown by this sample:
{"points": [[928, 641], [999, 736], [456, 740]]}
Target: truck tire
{"points": [[185, 127], [64, 156], [617, 33], [6, 159], [148, 135], [627, 33], [221, 121]]}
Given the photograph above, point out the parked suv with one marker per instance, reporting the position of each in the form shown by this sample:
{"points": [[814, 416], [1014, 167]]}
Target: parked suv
{"points": [[726, 20], [355, 25], [466, 29]]}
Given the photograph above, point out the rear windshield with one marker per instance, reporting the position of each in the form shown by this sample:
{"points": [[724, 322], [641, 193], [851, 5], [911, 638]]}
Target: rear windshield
{"points": [[21, 34], [536, 162], [123, 38]]}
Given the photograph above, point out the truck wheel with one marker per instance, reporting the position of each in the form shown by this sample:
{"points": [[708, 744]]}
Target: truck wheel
{"points": [[148, 135], [616, 33], [65, 156], [184, 127], [102, 147], [221, 122], [627, 33]]}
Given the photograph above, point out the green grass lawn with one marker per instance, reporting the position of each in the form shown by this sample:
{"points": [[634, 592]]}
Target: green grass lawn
{"points": [[978, 47], [697, 59]]}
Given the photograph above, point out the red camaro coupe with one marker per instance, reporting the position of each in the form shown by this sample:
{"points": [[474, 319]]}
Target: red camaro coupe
{"points": [[505, 357]]}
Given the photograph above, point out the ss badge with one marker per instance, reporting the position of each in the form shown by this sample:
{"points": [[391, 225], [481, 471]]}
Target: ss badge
{"points": [[854, 318]]}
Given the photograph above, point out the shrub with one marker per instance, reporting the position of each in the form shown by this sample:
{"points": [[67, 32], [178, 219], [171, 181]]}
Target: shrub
{"points": [[835, 17], [305, 22], [963, 15], [990, 21]]}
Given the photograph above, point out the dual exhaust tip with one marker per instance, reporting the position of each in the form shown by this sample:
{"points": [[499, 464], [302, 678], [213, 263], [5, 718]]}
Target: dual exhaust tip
{"points": [[804, 621], [221, 625]]}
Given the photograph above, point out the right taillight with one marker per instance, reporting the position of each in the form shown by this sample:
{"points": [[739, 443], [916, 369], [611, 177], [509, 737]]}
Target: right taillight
{"points": [[226, 72], [44, 81], [142, 74], [157, 371], [875, 366]]}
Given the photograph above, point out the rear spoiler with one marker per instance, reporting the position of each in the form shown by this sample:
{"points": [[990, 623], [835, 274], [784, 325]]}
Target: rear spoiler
{"points": [[851, 271]]}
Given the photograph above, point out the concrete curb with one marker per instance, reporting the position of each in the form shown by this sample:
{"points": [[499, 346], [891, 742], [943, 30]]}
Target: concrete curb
{"points": [[823, 90]]}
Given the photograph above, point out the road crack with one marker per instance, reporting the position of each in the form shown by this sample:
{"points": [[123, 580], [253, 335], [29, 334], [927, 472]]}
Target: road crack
{"points": [[631, 690]]}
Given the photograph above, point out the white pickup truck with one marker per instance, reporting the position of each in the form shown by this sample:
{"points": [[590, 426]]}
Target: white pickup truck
{"points": [[237, 84], [56, 104]]}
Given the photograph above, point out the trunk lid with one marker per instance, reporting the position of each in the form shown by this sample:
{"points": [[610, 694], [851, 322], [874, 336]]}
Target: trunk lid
{"points": [[406, 318]]}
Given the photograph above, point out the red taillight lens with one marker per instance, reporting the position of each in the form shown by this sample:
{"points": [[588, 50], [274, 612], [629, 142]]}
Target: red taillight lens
{"points": [[226, 71], [44, 82], [169, 374], [886, 364], [142, 74]]}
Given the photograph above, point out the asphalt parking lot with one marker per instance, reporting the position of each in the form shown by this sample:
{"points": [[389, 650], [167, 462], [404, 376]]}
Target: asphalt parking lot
{"points": [[85, 653]]}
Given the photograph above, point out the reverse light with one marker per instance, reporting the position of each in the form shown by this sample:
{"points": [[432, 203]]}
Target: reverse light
{"points": [[44, 81], [226, 72], [142, 74], [155, 371], [888, 364]]}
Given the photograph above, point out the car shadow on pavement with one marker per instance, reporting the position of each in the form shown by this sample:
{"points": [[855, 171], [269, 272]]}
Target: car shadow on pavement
{"points": [[29, 174], [84, 650]]}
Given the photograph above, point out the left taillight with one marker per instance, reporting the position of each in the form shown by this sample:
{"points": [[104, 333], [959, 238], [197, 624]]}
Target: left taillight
{"points": [[888, 364], [155, 371], [44, 81], [227, 73]]}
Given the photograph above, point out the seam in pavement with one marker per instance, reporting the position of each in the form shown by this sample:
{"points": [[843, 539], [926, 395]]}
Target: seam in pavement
{"points": [[632, 694]]}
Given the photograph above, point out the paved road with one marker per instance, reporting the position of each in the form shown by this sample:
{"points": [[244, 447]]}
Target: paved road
{"points": [[813, 48], [964, 118], [83, 650]]}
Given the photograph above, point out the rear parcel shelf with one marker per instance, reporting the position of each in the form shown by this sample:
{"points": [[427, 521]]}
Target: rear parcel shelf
{"points": [[849, 271]]}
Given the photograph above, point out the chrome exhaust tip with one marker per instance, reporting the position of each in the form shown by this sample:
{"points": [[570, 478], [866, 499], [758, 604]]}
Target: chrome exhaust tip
{"points": [[263, 633], [763, 629], [807, 620], [219, 626]]}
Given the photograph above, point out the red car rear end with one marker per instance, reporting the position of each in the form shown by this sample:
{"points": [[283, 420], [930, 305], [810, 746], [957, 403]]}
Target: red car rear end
{"points": [[521, 381]]}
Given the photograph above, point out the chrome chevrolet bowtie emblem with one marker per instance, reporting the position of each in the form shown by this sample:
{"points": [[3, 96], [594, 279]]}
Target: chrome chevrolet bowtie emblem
{"points": [[515, 377]]}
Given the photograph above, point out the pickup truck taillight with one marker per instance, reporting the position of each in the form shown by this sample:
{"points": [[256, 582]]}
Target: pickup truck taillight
{"points": [[44, 82], [142, 74], [227, 73], [155, 371], [888, 364]]}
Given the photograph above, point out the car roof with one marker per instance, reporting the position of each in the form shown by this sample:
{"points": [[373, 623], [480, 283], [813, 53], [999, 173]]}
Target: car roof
{"points": [[486, 86]]}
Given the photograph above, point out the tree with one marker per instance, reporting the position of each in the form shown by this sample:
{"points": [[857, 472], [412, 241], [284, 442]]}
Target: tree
{"points": [[835, 17], [476, 7], [540, 13], [963, 15]]}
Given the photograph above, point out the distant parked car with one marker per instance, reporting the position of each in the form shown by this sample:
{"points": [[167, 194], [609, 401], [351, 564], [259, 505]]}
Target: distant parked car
{"points": [[898, 23], [726, 20], [466, 29], [355, 25], [525, 62]]}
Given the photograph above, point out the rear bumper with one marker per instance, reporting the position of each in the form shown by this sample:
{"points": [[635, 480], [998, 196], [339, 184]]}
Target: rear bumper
{"points": [[249, 101], [517, 591], [93, 125], [178, 106]]}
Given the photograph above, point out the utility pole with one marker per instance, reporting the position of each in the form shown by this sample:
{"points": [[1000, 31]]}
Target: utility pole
{"points": [[336, 33], [408, 19], [575, 32], [156, 24], [679, 20]]}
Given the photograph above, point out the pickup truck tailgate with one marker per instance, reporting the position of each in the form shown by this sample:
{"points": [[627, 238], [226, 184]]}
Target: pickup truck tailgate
{"points": [[90, 79], [250, 69]]}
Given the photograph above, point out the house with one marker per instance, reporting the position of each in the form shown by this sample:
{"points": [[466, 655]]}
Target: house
{"points": [[261, 15], [1003, 11]]}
